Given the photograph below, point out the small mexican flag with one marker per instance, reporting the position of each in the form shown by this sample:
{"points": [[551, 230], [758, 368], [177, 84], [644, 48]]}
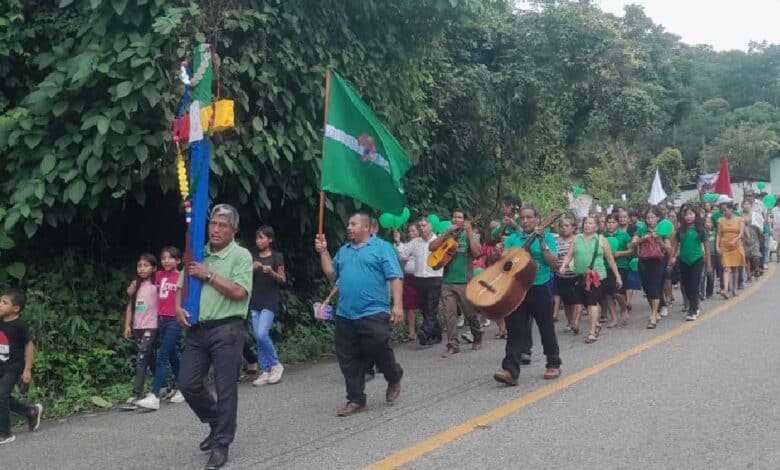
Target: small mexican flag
{"points": [[361, 159]]}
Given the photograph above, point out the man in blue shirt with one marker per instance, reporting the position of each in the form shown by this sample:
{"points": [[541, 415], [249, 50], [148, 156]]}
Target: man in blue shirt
{"points": [[363, 268], [538, 303]]}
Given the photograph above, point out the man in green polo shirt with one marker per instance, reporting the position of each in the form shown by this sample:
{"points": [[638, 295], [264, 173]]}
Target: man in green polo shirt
{"points": [[218, 338], [456, 275]]}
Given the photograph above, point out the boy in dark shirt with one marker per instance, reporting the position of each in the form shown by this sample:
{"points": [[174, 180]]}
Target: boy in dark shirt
{"points": [[16, 358]]}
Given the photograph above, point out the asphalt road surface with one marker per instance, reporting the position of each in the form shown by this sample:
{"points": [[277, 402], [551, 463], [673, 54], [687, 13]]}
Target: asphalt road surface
{"points": [[701, 395]]}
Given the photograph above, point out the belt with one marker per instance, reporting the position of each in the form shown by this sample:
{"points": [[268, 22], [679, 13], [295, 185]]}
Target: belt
{"points": [[211, 324]]}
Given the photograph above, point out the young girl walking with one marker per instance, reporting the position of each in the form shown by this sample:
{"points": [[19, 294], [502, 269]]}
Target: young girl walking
{"points": [[168, 330], [269, 276], [693, 254], [141, 322]]}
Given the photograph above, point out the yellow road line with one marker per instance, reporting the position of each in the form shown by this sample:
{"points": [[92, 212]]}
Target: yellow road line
{"points": [[416, 451]]}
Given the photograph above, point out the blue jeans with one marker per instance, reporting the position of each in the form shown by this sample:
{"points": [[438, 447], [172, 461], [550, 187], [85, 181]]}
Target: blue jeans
{"points": [[262, 321], [168, 331]]}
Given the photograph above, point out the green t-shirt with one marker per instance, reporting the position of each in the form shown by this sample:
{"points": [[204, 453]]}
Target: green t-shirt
{"points": [[457, 270], [623, 238], [233, 263], [583, 255], [543, 272], [691, 249], [498, 231]]}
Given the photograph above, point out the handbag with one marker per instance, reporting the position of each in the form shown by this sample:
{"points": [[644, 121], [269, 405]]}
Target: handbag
{"points": [[592, 278], [650, 249]]}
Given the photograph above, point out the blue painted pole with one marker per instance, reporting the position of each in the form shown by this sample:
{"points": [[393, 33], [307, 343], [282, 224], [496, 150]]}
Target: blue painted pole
{"points": [[199, 176]]}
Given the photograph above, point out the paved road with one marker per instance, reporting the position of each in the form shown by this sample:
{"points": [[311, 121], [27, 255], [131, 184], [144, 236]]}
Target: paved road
{"points": [[706, 398]]}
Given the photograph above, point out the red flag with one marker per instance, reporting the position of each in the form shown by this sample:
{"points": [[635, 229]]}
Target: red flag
{"points": [[723, 184]]}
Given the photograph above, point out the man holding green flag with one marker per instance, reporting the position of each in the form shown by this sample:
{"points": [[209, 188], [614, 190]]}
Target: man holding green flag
{"points": [[360, 158]]}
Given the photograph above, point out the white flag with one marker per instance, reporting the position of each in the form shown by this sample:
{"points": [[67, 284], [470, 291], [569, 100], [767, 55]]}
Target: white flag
{"points": [[657, 193]]}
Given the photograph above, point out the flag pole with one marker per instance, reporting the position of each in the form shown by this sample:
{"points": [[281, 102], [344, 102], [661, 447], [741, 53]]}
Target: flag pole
{"points": [[321, 217]]}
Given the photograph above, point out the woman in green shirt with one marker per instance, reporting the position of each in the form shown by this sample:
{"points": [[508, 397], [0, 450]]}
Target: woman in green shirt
{"points": [[590, 251], [693, 253], [622, 257]]}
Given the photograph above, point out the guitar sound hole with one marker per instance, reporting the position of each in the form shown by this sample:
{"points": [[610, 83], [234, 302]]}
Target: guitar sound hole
{"points": [[508, 266]]}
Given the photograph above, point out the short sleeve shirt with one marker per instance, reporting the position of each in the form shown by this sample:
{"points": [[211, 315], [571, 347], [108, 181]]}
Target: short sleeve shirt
{"points": [[266, 290], [457, 270], [146, 307], [623, 239], [167, 285], [363, 272], [233, 263], [691, 249], [14, 337], [543, 273]]}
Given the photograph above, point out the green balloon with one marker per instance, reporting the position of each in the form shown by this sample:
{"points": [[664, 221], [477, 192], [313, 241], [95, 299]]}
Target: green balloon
{"points": [[762, 186], [613, 243], [405, 215], [769, 201], [387, 220], [664, 228], [641, 228], [709, 197], [434, 220], [442, 227], [634, 264]]}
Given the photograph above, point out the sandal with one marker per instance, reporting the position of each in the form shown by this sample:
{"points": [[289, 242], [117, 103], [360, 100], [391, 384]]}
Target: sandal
{"points": [[591, 338], [575, 331], [724, 295], [652, 324], [598, 330]]}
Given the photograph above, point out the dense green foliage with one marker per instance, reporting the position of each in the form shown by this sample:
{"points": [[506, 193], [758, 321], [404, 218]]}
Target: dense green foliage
{"points": [[486, 97]]}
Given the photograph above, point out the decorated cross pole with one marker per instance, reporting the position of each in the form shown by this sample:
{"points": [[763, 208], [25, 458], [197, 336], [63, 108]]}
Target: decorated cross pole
{"points": [[193, 124]]}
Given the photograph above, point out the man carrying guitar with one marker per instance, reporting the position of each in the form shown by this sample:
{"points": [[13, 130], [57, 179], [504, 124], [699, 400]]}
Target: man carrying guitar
{"points": [[538, 303], [509, 222], [456, 275]]}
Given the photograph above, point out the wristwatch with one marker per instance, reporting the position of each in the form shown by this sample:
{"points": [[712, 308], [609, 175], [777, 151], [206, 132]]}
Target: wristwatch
{"points": [[209, 277]]}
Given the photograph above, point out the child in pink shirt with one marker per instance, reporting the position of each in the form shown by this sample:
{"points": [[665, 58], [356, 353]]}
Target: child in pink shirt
{"points": [[141, 321], [168, 330]]}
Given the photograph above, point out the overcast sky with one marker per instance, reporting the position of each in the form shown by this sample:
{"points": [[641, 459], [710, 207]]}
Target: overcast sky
{"points": [[722, 24]]}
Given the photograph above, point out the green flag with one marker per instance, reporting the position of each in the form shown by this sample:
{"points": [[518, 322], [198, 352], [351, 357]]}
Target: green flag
{"points": [[361, 159]]}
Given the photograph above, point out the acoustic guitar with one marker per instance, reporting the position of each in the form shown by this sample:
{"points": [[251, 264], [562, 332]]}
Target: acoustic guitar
{"points": [[501, 287], [441, 256]]}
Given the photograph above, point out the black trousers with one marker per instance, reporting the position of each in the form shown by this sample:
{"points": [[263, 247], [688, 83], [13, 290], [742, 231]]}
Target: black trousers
{"points": [[428, 294], [538, 305], [9, 403], [652, 272], [221, 348], [690, 277], [359, 342]]}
